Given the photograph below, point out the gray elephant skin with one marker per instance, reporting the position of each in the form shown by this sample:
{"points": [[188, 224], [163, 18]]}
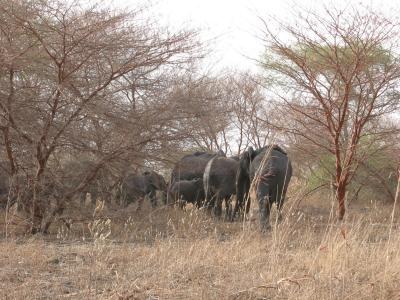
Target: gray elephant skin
{"points": [[219, 183], [273, 177], [191, 167], [135, 187], [187, 191]]}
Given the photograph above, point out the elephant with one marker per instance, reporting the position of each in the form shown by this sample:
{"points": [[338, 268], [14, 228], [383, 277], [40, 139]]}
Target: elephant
{"points": [[137, 186], [192, 166], [187, 191], [219, 183], [272, 176]]}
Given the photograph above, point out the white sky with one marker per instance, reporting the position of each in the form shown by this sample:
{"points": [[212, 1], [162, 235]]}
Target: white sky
{"points": [[232, 26]]}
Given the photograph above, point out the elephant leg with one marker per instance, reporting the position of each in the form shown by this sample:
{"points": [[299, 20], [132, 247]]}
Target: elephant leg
{"points": [[218, 207], [164, 198], [140, 202], [245, 205], [153, 202], [212, 205], [228, 208], [264, 205], [235, 210], [153, 199], [201, 200], [198, 203], [209, 204], [239, 207], [181, 203], [242, 192]]}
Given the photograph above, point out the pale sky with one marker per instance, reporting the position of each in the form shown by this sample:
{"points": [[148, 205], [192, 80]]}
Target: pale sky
{"points": [[232, 26]]}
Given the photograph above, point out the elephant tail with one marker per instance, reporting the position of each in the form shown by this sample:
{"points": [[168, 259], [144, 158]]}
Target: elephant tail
{"points": [[206, 180]]}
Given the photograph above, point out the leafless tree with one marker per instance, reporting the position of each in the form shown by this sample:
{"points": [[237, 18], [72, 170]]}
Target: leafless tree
{"points": [[250, 114], [64, 72], [199, 104], [225, 111]]}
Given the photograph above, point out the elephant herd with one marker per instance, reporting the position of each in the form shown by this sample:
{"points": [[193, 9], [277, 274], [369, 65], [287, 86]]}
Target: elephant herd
{"points": [[207, 180]]}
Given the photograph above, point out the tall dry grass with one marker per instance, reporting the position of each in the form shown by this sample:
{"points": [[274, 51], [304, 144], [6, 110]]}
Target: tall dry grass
{"points": [[172, 254]]}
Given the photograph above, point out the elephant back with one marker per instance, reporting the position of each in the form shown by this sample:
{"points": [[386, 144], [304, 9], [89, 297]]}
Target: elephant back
{"points": [[277, 163], [191, 166]]}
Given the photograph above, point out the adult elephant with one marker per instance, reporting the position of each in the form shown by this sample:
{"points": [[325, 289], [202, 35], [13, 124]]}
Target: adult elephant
{"points": [[219, 183], [271, 169], [187, 191], [192, 166], [138, 186]]}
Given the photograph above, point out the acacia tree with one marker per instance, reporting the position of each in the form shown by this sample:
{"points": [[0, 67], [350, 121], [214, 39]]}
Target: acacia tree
{"points": [[63, 71], [336, 75]]}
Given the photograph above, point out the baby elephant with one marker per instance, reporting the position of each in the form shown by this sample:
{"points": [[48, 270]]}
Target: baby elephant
{"points": [[187, 191]]}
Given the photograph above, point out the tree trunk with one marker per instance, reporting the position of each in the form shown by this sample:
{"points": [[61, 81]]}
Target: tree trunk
{"points": [[36, 210], [58, 210], [341, 196], [340, 185]]}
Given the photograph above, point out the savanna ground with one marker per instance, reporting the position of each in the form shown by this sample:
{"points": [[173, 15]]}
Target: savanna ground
{"points": [[167, 253]]}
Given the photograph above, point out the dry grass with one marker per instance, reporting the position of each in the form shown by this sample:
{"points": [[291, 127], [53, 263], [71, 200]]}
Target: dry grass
{"points": [[171, 254]]}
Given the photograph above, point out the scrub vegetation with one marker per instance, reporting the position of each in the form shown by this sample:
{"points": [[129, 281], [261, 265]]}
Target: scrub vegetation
{"points": [[102, 109]]}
